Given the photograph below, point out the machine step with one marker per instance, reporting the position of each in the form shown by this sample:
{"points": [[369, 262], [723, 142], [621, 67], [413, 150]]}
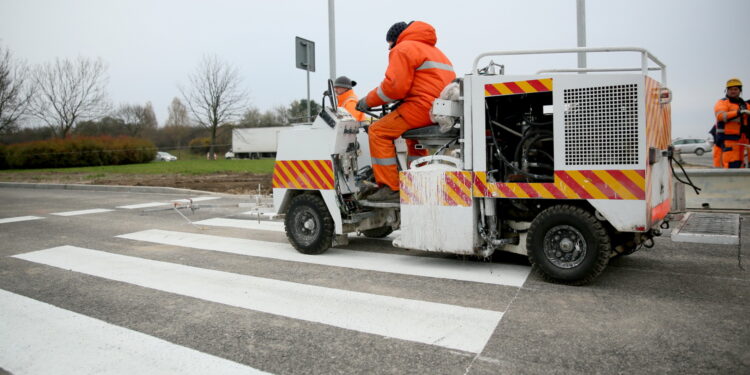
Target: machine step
{"points": [[708, 227]]}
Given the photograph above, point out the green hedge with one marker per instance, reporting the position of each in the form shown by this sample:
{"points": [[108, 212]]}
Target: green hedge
{"points": [[77, 152]]}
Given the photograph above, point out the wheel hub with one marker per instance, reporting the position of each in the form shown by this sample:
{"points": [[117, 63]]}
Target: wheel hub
{"points": [[307, 224], [565, 246]]}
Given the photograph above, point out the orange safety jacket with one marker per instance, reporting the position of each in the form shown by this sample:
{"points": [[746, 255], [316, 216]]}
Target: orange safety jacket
{"points": [[348, 100], [729, 121], [417, 73]]}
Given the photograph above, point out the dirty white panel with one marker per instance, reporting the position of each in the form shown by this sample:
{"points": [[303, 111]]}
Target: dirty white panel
{"points": [[624, 215], [428, 225]]}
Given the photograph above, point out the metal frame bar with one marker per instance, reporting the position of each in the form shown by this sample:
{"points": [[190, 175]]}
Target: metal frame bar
{"points": [[645, 57], [595, 70]]}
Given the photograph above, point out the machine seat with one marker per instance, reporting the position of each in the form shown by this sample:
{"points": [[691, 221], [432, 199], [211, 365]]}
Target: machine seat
{"points": [[430, 132]]}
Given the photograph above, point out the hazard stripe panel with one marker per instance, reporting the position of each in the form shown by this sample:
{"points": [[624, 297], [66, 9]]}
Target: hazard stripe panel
{"points": [[457, 189], [600, 184], [303, 174], [408, 193], [518, 87]]}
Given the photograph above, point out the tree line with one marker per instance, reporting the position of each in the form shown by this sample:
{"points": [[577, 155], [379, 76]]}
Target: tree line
{"points": [[68, 97]]}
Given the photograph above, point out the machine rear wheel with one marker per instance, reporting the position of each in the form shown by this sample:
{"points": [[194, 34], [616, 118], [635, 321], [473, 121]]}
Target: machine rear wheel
{"points": [[309, 226], [568, 245], [378, 232]]}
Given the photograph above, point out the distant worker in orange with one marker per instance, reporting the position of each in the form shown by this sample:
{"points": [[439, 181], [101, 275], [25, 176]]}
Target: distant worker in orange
{"points": [[732, 124], [717, 148], [346, 96], [417, 73]]}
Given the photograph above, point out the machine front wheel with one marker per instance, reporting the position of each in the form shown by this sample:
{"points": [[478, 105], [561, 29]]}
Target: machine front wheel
{"points": [[309, 225], [568, 245]]}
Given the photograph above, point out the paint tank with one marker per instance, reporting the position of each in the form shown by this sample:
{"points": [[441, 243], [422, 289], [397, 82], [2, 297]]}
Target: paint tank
{"points": [[437, 210]]}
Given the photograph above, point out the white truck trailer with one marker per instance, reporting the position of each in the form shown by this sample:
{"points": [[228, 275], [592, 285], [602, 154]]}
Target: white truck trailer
{"points": [[254, 143]]}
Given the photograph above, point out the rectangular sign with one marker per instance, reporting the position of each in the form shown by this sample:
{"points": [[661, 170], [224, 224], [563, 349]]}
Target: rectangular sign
{"points": [[305, 53]]}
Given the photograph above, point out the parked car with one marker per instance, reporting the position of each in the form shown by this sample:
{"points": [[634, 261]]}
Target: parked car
{"points": [[693, 145], [164, 156]]}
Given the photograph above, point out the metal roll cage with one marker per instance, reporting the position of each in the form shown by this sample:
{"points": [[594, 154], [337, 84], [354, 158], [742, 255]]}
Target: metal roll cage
{"points": [[646, 56]]}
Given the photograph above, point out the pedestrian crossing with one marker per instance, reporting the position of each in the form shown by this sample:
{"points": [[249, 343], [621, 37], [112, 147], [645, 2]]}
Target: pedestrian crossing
{"points": [[38, 338], [450, 326]]}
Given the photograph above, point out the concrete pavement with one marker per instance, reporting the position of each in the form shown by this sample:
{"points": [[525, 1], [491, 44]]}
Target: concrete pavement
{"points": [[231, 294]]}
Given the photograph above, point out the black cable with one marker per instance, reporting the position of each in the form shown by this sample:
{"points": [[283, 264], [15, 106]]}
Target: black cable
{"points": [[689, 181]]}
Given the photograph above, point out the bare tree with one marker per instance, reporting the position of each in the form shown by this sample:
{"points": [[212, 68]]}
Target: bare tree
{"points": [[215, 95], [69, 91], [16, 90], [137, 119], [178, 114]]}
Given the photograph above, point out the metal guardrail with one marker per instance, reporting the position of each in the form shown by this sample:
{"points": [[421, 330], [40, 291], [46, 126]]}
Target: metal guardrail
{"points": [[725, 189]]}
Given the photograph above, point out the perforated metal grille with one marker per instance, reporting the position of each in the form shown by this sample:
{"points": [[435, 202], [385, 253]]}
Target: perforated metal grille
{"points": [[601, 125]]}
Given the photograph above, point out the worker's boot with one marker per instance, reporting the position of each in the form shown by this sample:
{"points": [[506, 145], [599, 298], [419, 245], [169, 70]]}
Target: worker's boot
{"points": [[385, 195]]}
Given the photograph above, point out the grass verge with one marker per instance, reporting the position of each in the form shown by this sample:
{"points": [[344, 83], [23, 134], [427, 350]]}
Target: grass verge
{"points": [[182, 167]]}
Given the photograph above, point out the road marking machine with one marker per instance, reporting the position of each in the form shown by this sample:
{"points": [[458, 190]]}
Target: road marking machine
{"points": [[568, 169]]}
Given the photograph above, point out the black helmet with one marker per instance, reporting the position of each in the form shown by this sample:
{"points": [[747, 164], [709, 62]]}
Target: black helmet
{"points": [[344, 82], [392, 35]]}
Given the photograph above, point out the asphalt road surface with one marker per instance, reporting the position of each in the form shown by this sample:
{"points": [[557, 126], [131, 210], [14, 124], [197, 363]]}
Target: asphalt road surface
{"points": [[112, 282]]}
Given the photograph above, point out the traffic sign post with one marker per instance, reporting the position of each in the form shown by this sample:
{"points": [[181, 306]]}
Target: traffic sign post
{"points": [[305, 56]]}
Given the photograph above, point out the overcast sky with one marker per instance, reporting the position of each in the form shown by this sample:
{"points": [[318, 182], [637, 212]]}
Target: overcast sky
{"points": [[151, 46]]}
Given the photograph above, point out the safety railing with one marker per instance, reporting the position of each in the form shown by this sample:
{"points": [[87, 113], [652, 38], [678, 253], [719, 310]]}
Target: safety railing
{"points": [[646, 56]]}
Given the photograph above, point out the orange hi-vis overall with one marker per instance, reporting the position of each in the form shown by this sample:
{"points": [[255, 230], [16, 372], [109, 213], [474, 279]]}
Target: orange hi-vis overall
{"points": [[348, 100], [732, 125], [417, 73]]}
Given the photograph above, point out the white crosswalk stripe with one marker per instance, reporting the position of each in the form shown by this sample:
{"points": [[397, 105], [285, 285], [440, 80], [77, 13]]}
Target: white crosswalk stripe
{"points": [[19, 218], [449, 326], [38, 338], [158, 204], [82, 212], [482, 272]]}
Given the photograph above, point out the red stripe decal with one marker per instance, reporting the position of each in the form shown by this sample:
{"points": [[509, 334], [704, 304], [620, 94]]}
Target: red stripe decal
{"points": [[448, 200], [276, 182], [505, 190], [315, 175], [303, 177], [529, 190], [514, 88], [573, 184], [286, 174], [601, 185], [492, 90], [480, 186], [327, 167], [629, 184], [554, 191], [456, 189], [537, 85], [641, 172]]}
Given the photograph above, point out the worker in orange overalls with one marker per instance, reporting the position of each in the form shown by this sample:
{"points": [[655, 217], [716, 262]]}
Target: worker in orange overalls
{"points": [[717, 148], [732, 124], [346, 96], [417, 73]]}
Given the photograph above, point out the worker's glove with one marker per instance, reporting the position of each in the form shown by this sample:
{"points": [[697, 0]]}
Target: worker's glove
{"points": [[362, 105]]}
